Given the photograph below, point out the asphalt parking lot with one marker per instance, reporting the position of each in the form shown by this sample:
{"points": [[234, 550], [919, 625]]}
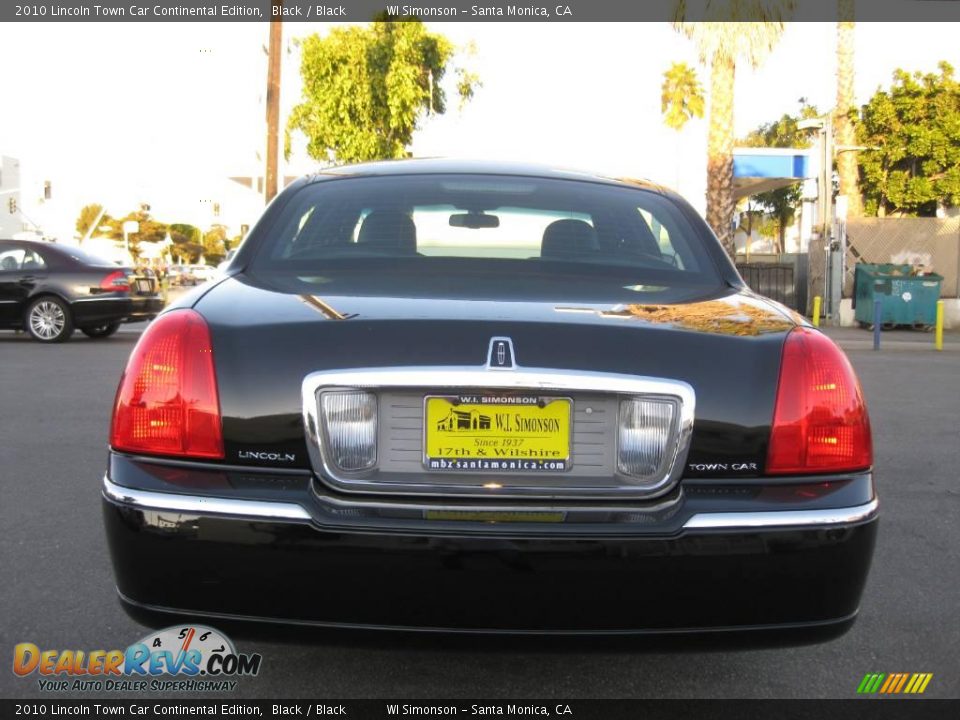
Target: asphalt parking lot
{"points": [[54, 414]]}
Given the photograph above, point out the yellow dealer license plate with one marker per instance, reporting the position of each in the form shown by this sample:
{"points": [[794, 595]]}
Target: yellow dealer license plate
{"points": [[490, 433]]}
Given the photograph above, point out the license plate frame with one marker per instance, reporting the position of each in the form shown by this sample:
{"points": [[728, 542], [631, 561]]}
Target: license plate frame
{"points": [[548, 450]]}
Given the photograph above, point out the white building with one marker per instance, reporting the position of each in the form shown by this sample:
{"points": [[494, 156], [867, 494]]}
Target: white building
{"points": [[11, 218]]}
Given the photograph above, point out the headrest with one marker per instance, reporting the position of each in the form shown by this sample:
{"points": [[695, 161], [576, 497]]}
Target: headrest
{"points": [[563, 237], [389, 229]]}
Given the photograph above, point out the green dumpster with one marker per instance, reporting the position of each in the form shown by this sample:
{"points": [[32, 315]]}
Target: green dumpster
{"points": [[906, 299]]}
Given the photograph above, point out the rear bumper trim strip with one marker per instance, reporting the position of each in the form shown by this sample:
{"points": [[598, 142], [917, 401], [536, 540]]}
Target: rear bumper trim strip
{"points": [[200, 505], [281, 511], [783, 518]]}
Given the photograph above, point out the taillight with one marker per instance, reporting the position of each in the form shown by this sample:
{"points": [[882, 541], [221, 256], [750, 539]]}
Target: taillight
{"points": [[820, 422], [167, 402], [115, 282]]}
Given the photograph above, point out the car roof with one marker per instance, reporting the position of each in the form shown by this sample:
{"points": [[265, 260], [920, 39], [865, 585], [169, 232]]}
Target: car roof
{"points": [[26, 242], [34, 244], [437, 166]]}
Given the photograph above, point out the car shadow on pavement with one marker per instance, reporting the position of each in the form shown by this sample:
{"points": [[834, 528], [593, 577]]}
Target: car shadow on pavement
{"points": [[12, 337]]}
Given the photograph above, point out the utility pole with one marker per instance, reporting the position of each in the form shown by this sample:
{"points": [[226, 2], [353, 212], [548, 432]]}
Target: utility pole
{"points": [[273, 100]]}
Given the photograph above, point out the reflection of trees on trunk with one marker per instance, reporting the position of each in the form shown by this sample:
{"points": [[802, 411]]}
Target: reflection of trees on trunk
{"points": [[713, 316]]}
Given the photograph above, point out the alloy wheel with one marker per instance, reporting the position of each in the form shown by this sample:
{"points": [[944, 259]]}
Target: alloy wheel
{"points": [[47, 320]]}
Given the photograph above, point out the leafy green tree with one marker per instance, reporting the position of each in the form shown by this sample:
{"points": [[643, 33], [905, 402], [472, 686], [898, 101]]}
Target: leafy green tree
{"points": [[365, 89], [187, 253], [88, 216], [781, 203], [182, 233], [150, 230], [214, 243], [681, 96], [734, 31], [913, 132], [187, 242]]}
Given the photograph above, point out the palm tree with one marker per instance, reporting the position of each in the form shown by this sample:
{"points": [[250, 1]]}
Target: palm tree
{"points": [[681, 96], [681, 100], [722, 41], [842, 121]]}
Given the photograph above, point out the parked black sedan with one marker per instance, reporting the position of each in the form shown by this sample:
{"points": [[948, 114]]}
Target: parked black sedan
{"points": [[474, 397], [49, 290]]}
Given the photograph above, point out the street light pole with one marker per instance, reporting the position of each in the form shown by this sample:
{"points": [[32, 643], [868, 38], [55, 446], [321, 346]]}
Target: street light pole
{"points": [[835, 248], [826, 172], [833, 264]]}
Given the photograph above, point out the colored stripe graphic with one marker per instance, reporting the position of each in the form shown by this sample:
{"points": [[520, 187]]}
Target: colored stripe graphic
{"points": [[894, 683], [870, 683], [891, 681], [923, 679], [903, 679]]}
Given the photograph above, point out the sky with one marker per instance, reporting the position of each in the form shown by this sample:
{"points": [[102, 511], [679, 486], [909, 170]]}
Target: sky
{"points": [[123, 113]]}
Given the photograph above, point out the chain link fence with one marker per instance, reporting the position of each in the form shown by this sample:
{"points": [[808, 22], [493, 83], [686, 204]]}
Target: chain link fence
{"points": [[933, 243]]}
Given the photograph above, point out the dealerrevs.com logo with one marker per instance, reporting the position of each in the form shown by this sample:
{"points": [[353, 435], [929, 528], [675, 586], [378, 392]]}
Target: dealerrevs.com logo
{"points": [[179, 658]]}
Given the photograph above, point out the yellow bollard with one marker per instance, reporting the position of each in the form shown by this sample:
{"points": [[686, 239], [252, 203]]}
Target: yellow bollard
{"points": [[816, 311], [938, 337]]}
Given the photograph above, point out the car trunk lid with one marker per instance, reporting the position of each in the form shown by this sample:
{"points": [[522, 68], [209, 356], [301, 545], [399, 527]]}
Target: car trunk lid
{"points": [[725, 345]]}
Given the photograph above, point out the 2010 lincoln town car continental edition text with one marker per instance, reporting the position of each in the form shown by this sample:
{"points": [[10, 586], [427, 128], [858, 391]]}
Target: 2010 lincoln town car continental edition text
{"points": [[465, 396]]}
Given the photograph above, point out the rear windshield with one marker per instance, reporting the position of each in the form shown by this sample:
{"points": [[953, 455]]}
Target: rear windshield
{"points": [[480, 221]]}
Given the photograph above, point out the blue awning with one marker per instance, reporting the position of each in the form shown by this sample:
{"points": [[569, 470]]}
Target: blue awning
{"points": [[757, 170]]}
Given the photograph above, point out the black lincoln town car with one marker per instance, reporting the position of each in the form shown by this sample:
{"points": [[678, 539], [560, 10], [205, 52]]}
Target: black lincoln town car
{"points": [[476, 397]]}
